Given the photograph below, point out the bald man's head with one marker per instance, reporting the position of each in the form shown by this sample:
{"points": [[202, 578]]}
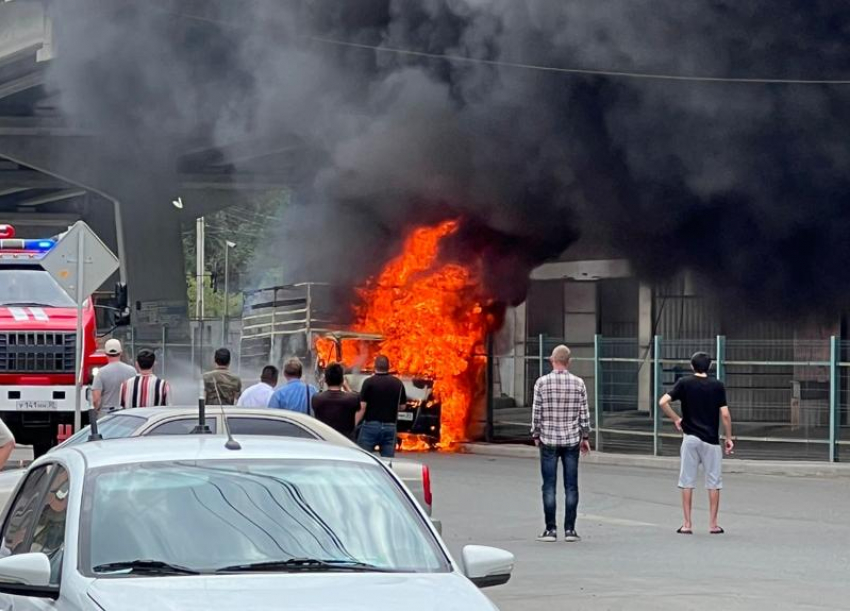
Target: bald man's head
{"points": [[560, 355]]}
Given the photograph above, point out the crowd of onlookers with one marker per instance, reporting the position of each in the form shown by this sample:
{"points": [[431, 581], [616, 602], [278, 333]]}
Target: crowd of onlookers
{"points": [[368, 416]]}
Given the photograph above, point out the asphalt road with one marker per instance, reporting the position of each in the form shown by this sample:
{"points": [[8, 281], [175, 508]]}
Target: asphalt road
{"points": [[787, 544]]}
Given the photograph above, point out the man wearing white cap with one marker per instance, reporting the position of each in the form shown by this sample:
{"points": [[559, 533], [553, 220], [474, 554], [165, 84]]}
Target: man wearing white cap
{"points": [[106, 389]]}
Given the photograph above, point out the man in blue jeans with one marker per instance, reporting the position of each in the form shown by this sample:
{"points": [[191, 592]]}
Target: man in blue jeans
{"points": [[560, 426], [381, 395]]}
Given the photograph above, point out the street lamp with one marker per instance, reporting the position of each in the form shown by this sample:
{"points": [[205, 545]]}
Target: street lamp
{"points": [[199, 286], [200, 263], [225, 315]]}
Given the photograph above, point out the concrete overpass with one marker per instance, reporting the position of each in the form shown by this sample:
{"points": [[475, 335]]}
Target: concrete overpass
{"points": [[51, 173]]}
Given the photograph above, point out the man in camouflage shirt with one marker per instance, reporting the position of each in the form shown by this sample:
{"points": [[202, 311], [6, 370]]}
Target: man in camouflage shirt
{"points": [[221, 387]]}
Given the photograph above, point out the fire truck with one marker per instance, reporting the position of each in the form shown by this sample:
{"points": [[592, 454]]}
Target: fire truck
{"points": [[38, 322]]}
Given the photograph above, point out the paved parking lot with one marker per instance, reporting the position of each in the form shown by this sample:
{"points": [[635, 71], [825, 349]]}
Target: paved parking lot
{"points": [[787, 544]]}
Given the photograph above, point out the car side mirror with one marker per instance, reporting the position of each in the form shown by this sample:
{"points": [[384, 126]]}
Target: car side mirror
{"points": [[27, 575], [487, 566], [121, 296], [121, 318], [121, 313]]}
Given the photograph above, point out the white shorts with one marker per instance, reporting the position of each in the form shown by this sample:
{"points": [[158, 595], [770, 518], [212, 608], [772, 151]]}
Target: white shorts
{"points": [[696, 452]]}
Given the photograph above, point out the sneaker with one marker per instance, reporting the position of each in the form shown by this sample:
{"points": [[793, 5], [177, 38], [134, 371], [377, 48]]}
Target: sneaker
{"points": [[548, 536], [571, 536]]}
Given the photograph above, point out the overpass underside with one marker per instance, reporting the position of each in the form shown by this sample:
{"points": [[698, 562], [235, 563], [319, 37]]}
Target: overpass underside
{"points": [[52, 174]]}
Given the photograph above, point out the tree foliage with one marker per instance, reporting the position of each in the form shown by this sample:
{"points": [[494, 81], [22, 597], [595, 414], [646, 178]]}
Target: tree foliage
{"points": [[248, 226]]}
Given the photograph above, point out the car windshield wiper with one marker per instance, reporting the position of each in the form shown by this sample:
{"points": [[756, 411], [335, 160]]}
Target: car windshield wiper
{"points": [[26, 304], [305, 564], [145, 567]]}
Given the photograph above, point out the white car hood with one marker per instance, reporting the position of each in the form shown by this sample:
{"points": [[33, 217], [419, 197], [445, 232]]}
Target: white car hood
{"points": [[291, 591]]}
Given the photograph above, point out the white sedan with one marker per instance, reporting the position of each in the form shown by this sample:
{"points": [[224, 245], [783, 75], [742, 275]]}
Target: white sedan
{"points": [[159, 421], [185, 523]]}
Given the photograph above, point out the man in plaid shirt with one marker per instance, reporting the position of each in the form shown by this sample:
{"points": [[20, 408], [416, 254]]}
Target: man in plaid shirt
{"points": [[560, 425]]}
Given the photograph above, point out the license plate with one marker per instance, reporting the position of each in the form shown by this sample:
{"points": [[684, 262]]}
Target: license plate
{"points": [[36, 405], [405, 416]]}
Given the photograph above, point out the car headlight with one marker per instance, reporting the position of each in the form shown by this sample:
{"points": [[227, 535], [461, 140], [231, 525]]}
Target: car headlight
{"points": [[95, 371]]}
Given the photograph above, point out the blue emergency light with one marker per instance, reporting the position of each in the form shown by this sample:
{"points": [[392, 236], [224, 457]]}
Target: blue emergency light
{"points": [[27, 245], [40, 245], [17, 246]]}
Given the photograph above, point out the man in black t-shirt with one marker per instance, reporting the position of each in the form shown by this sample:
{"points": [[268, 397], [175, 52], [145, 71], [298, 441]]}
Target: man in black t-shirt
{"points": [[381, 395], [703, 401], [338, 409]]}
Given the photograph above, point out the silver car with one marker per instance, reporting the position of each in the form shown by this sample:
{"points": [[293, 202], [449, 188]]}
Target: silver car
{"points": [[162, 421], [190, 522]]}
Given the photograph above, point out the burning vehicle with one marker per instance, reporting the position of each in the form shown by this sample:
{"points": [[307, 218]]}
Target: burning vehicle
{"points": [[275, 326], [418, 419], [429, 316]]}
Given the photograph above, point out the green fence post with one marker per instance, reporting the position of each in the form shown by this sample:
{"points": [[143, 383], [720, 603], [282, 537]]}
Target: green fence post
{"points": [[540, 355], [721, 358], [656, 385], [597, 392], [833, 397]]}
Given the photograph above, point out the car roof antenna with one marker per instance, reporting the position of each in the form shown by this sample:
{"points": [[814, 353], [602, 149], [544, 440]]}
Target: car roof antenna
{"points": [[93, 434], [231, 443], [201, 428]]}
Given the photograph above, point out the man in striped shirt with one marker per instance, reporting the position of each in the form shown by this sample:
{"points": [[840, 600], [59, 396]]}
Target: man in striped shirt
{"points": [[145, 390], [560, 426]]}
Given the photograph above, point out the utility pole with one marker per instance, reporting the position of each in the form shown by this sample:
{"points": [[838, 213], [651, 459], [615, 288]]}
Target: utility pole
{"points": [[81, 349], [225, 315], [198, 338], [199, 269]]}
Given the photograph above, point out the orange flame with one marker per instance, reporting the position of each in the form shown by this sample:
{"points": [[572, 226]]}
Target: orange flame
{"points": [[433, 318], [355, 353]]}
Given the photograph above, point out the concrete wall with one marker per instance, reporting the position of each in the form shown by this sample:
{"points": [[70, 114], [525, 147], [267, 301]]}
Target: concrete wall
{"points": [[580, 327], [510, 350], [628, 313]]}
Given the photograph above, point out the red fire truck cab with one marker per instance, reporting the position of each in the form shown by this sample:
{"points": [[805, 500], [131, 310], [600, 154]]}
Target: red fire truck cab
{"points": [[38, 322]]}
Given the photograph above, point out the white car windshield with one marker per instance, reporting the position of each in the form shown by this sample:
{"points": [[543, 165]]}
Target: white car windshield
{"points": [[31, 286], [223, 515]]}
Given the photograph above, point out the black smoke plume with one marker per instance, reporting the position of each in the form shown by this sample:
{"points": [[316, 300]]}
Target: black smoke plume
{"points": [[745, 183]]}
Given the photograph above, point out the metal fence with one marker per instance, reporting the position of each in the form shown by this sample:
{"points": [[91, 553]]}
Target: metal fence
{"points": [[182, 359], [789, 399]]}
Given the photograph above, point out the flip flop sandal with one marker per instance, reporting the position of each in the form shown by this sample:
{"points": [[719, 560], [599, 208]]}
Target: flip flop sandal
{"points": [[684, 531], [719, 531]]}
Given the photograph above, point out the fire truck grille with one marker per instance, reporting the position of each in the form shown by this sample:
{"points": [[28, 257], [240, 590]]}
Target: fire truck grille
{"points": [[37, 352]]}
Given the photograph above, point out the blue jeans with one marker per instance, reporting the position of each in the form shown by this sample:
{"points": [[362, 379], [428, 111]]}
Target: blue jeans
{"points": [[549, 457], [381, 434]]}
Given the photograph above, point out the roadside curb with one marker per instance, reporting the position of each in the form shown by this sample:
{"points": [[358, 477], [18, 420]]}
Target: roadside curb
{"points": [[749, 467]]}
